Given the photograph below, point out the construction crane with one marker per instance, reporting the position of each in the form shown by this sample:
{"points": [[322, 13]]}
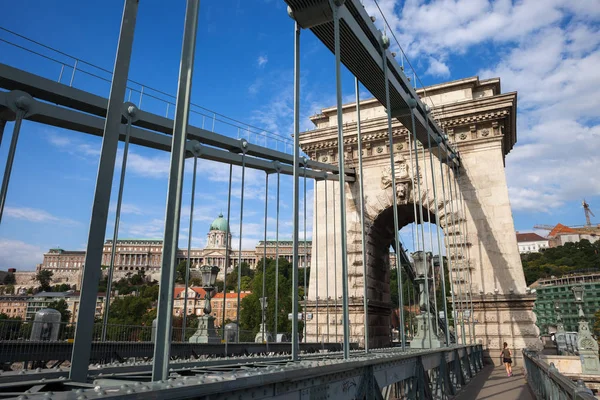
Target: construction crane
{"points": [[588, 213], [544, 227]]}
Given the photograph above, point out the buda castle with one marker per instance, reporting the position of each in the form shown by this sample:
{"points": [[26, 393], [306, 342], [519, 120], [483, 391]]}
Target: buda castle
{"points": [[134, 255]]}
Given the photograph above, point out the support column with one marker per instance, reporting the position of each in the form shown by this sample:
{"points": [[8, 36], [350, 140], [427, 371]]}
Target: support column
{"points": [[80, 356]]}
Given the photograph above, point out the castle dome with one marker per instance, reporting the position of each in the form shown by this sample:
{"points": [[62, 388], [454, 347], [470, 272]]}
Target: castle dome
{"points": [[219, 224]]}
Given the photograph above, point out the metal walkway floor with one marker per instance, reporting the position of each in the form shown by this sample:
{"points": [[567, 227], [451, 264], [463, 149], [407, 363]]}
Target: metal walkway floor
{"points": [[493, 384]]}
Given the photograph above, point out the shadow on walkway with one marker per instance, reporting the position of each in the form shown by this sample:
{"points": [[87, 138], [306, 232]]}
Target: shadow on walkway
{"points": [[493, 384]]}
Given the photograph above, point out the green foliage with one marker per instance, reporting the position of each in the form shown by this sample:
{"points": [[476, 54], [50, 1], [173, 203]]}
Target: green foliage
{"points": [[561, 260], [9, 289], [246, 283], [411, 296], [232, 277], [250, 313], [191, 326], [301, 277], [12, 328], [9, 279], [44, 277], [180, 271], [63, 287], [198, 282], [130, 310], [62, 307], [150, 292]]}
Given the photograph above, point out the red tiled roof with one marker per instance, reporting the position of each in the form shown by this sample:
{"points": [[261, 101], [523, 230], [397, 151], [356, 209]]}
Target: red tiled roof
{"points": [[560, 229], [178, 293], [529, 237]]}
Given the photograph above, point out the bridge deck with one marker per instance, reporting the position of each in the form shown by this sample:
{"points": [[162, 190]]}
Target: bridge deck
{"points": [[493, 384]]}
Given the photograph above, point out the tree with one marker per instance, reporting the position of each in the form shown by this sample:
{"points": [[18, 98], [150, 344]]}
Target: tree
{"points": [[63, 287], [250, 312], [130, 310], [63, 308], [561, 260], [9, 289], [44, 277], [180, 272], [246, 283], [9, 279], [149, 292]]}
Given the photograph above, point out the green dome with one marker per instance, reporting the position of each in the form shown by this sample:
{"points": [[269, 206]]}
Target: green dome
{"points": [[219, 224]]}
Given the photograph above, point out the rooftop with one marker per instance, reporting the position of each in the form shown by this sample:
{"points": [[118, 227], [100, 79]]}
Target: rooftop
{"points": [[560, 229], [530, 237]]}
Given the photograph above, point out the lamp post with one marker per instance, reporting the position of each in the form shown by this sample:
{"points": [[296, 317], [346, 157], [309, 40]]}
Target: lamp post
{"points": [[206, 332], [263, 336], [588, 347], [561, 340], [425, 338]]}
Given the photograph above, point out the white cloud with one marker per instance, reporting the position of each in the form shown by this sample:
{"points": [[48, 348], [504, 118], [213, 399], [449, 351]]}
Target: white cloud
{"points": [[547, 51], [149, 229], [71, 145], [19, 255], [255, 87], [262, 60], [127, 208], [35, 215], [437, 68], [157, 166]]}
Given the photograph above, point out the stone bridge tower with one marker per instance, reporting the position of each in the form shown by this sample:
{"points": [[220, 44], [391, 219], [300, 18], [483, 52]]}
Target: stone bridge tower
{"points": [[481, 121]]}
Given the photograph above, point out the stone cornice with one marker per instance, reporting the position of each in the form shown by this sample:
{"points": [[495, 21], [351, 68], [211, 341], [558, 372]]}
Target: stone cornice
{"points": [[376, 131], [499, 110]]}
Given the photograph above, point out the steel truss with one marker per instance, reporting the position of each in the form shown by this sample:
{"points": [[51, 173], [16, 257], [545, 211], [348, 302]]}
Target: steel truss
{"points": [[106, 352], [74, 109], [412, 374]]}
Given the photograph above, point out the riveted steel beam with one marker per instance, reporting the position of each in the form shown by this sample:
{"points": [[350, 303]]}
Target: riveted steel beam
{"points": [[71, 98]]}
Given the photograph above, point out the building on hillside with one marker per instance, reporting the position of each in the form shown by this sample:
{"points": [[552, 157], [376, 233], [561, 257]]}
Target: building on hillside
{"points": [[195, 300], [562, 234], [230, 305], [285, 250], [73, 305], [560, 290], [42, 300], [145, 255], [14, 306], [531, 242]]}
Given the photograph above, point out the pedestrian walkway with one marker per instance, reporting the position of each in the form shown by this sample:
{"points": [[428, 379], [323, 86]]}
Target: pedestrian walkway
{"points": [[491, 383]]}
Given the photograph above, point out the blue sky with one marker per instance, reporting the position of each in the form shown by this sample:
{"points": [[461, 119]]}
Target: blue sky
{"points": [[547, 52]]}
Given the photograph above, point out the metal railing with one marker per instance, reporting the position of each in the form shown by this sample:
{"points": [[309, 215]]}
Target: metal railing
{"points": [[19, 331], [547, 383], [75, 72]]}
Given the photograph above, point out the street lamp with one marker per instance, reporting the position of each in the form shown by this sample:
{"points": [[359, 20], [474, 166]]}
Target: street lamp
{"points": [[206, 332], [425, 337], [263, 336], [560, 336], [208, 275], [587, 345]]}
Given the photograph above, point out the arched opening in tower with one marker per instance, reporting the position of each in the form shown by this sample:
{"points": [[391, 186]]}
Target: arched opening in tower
{"points": [[382, 288]]}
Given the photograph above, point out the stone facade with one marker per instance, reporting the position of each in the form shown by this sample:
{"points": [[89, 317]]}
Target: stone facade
{"points": [[480, 240], [14, 306], [134, 255]]}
